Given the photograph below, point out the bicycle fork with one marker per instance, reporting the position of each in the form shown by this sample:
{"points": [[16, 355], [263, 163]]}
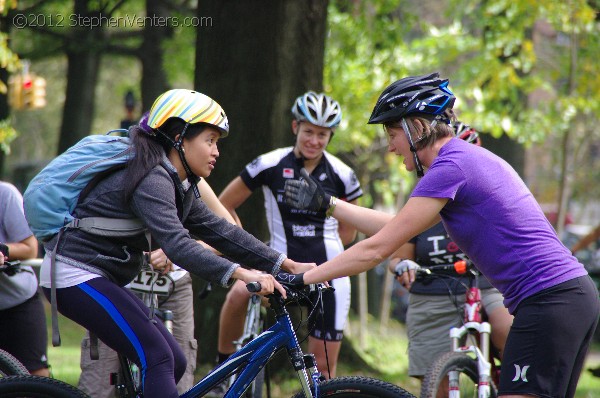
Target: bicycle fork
{"points": [[305, 366], [473, 323], [481, 354]]}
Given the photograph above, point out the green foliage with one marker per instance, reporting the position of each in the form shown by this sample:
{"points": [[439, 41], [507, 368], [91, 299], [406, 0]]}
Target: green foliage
{"points": [[357, 68], [179, 56], [505, 68], [506, 80], [10, 62], [7, 134]]}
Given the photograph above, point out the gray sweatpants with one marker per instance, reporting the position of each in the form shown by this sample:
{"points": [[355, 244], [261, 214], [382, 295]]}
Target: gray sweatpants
{"points": [[95, 374]]}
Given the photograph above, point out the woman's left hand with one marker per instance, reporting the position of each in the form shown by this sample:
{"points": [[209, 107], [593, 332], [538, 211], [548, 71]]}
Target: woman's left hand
{"points": [[160, 262]]}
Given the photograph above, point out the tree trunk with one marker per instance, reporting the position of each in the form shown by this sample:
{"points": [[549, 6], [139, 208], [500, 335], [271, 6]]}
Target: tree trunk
{"points": [[154, 78], [83, 56], [508, 149], [254, 58]]}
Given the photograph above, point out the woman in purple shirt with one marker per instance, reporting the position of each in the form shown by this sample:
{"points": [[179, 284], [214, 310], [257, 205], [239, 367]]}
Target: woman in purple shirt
{"points": [[493, 217]]}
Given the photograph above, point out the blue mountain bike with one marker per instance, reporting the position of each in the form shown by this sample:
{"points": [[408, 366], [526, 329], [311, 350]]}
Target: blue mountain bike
{"points": [[247, 363]]}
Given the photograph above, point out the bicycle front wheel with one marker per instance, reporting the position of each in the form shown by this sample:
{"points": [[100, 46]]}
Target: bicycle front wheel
{"points": [[436, 378], [37, 387], [10, 366], [359, 387]]}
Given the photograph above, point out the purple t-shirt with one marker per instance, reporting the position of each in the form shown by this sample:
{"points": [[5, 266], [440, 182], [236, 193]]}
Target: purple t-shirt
{"points": [[495, 220]]}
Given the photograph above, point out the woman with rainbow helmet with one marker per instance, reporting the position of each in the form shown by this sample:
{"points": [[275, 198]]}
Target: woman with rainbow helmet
{"points": [[173, 148], [191, 107], [489, 212]]}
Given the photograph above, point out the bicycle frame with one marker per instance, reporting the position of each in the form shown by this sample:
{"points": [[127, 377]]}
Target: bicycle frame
{"points": [[252, 357]]}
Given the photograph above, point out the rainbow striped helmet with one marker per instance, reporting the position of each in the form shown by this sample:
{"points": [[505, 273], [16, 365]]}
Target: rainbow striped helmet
{"points": [[191, 107]]}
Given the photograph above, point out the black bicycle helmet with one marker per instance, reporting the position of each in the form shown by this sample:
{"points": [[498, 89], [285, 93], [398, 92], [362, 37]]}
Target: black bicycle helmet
{"points": [[426, 96]]}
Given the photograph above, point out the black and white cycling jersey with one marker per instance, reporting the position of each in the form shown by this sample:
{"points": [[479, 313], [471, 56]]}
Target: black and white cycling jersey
{"points": [[303, 235]]}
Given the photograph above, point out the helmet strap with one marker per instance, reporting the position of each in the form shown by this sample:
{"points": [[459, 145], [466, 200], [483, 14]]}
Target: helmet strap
{"points": [[418, 165], [193, 179]]}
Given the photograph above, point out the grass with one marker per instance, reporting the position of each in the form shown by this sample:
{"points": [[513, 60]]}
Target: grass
{"points": [[383, 355]]}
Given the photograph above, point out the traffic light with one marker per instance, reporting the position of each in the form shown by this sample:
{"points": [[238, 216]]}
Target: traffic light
{"points": [[27, 91], [34, 92], [15, 91]]}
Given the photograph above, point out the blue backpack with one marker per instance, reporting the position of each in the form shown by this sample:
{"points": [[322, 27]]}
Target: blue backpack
{"points": [[53, 194]]}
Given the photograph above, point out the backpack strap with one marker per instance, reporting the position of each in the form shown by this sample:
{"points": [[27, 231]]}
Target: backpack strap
{"points": [[94, 354], [103, 226], [53, 305]]}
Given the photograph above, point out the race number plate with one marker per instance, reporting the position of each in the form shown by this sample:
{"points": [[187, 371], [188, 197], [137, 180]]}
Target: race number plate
{"points": [[152, 282]]}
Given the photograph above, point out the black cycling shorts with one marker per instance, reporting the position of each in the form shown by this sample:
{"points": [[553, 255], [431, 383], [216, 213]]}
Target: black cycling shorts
{"points": [[549, 339], [23, 333]]}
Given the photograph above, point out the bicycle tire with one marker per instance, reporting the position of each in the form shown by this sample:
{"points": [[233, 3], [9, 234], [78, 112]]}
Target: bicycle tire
{"points": [[37, 387], [359, 387], [10, 366], [454, 361]]}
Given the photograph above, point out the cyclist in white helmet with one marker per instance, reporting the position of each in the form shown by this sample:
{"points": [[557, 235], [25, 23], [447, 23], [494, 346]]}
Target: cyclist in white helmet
{"points": [[303, 236]]}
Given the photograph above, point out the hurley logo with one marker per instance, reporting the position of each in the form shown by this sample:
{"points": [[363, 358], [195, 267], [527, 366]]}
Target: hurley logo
{"points": [[521, 373]]}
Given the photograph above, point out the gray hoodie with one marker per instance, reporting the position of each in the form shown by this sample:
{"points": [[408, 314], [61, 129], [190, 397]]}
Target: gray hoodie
{"points": [[175, 218]]}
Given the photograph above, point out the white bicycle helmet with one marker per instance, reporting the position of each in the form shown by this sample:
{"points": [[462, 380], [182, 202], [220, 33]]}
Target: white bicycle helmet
{"points": [[318, 109], [466, 133]]}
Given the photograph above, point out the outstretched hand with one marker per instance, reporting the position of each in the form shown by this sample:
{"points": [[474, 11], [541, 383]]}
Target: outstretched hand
{"points": [[404, 271], [306, 193]]}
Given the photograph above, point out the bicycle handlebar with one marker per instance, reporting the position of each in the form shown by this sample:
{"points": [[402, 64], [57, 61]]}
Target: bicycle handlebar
{"points": [[461, 267], [292, 283], [254, 287], [10, 267]]}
